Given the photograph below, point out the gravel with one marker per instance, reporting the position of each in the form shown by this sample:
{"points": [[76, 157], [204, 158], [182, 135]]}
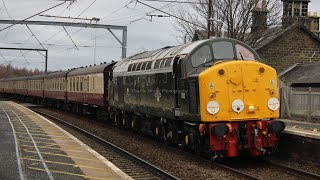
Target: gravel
{"points": [[175, 161]]}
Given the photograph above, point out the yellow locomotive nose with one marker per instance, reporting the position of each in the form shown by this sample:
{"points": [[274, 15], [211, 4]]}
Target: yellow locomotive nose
{"points": [[244, 90]]}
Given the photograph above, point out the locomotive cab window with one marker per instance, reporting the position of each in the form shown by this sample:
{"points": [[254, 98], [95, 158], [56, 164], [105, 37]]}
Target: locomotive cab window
{"points": [[223, 50], [244, 53], [201, 56]]}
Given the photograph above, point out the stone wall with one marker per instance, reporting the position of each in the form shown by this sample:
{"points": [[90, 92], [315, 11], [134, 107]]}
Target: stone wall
{"points": [[296, 46]]}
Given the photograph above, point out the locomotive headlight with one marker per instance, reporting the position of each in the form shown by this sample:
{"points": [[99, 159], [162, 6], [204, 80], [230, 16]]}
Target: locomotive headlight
{"points": [[273, 104], [237, 105], [213, 107], [251, 108]]}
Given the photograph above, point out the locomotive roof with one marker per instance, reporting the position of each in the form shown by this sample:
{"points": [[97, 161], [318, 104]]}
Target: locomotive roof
{"points": [[57, 74], [170, 52], [90, 70]]}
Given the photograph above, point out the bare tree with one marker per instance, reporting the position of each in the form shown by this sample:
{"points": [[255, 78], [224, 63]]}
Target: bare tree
{"points": [[232, 18]]}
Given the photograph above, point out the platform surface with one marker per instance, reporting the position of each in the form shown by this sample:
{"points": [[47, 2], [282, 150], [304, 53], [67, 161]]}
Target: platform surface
{"points": [[34, 148], [301, 128]]}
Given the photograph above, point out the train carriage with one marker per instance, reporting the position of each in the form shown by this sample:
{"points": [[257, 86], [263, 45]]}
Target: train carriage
{"points": [[55, 86], [8, 85], [21, 86], [2, 85], [35, 87], [89, 85]]}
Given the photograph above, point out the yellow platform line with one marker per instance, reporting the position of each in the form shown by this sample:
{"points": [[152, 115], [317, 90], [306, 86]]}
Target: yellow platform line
{"points": [[19, 129], [67, 173], [45, 135], [45, 147], [67, 164], [62, 155], [37, 142], [50, 139]]}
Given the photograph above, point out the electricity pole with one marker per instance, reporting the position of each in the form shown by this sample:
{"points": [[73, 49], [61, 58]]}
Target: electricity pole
{"points": [[209, 18]]}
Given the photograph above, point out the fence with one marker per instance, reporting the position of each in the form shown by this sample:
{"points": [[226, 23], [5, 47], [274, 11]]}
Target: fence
{"points": [[301, 102]]}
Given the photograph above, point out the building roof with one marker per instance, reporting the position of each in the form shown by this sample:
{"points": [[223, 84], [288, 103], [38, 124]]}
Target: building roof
{"points": [[302, 75], [295, 0], [258, 41]]}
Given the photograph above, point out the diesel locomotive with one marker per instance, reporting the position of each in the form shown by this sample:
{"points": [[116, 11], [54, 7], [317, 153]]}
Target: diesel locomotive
{"points": [[212, 96]]}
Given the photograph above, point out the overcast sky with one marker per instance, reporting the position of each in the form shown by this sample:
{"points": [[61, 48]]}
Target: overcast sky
{"points": [[142, 34]]}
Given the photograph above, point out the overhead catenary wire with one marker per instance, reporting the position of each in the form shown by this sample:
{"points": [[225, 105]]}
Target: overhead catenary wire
{"points": [[5, 7], [84, 42], [24, 57], [146, 14], [171, 1], [75, 19], [33, 16], [169, 14], [4, 58], [118, 9], [71, 2], [52, 20], [75, 45], [35, 37], [56, 45]]}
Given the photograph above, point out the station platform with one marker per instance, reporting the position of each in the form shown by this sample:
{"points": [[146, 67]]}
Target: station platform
{"points": [[301, 128], [33, 147]]}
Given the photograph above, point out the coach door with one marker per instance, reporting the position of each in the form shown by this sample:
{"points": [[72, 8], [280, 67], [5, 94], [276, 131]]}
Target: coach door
{"points": [[177, 77]]}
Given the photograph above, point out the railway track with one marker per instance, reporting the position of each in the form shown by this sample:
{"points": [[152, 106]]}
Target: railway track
{"points": [[123, 165], [262, 169], [293, 171], [150, 171], [132, 165]]}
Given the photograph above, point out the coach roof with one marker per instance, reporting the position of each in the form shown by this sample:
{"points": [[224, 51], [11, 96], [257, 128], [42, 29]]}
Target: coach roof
{"points": [[57, 74], [90, 70], [37, 77]]}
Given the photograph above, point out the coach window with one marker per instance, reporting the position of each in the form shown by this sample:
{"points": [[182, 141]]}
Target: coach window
{"points": [[223, 50], [81, 84], [73, 84], [77, 84], [201, 56], [93, 83], [70, 84]]}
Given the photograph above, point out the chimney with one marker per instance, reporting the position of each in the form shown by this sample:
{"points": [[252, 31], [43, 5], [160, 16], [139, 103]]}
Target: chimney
{"points": [[259, 17], [264, 5], [256, 5]]}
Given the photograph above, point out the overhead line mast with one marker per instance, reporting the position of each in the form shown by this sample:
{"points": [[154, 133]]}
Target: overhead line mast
{"points": [[123, 42]]}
